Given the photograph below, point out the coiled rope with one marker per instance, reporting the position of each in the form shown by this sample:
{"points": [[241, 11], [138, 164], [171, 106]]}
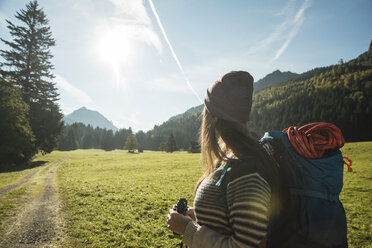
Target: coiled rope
{"points": [[316, 139]]}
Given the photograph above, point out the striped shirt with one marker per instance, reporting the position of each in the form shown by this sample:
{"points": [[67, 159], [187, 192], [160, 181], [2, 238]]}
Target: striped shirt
{"points": [[233, 217]]}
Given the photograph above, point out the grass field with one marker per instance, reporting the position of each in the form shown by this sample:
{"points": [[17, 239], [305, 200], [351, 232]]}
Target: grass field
{"points": [[122, 199], [119, 199], [356, 195]]}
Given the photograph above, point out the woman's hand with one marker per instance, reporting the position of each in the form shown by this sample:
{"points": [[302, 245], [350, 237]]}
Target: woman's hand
{"points": [[191, 212], [177, 222]]}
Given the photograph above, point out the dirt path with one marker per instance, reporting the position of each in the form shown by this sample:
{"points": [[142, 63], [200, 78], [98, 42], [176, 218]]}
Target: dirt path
{"points": [[24, 180], [38, 223]]}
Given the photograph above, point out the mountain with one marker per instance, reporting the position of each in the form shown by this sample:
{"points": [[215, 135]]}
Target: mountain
{"points": [[273, 79], [367, 56], [89, 117], [188, 112], [340, 94], [276, 78]]}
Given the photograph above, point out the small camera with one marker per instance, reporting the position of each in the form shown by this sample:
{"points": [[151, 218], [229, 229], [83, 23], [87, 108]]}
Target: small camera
{"points": [[181, 206]]}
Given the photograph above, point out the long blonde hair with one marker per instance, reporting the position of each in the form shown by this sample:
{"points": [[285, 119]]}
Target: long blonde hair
{"points": [[219, 139]]}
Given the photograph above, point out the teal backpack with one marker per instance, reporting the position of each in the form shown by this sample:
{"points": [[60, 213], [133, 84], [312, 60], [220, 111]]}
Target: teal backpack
{"points": [[312, 215]]}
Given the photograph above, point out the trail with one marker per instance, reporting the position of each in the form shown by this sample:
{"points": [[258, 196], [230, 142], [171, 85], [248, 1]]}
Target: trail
{"points": [[38, 223], [24, 180]]}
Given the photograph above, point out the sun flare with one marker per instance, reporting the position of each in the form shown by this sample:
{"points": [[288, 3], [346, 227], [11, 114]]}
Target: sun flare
{"points": [[114, 46]]}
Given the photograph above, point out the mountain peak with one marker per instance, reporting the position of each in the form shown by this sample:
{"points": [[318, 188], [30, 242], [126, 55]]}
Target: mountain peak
{"points": [[89, 117], [273, 79], [367, 56]]}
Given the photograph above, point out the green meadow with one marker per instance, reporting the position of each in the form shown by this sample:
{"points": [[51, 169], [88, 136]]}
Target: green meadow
{"points": [[119, 199]]}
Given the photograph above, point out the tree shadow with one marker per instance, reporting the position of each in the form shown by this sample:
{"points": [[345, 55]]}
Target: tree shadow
{"points": [[21, 167]]}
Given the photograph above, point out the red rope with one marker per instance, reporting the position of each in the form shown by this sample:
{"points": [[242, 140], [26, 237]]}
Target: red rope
{"points": [[349, 169], [310, 140]]}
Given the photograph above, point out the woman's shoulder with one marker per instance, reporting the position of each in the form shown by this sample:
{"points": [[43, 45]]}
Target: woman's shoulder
{"points": [[249, 165]]}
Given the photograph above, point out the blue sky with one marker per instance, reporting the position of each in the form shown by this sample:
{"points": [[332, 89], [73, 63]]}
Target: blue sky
{"points": [[141, 62]]}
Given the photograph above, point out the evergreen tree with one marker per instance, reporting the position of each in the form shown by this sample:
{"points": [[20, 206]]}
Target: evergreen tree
{"points": [[72, 138], [131, 143], [87, 142], [194, 147], [171, 144], [120, 137], [28, 64], [141, 138], [163, 146], [17, 140], [108, 141]]}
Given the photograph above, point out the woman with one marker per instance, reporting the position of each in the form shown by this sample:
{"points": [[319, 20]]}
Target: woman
{"points": [[234, 196]]}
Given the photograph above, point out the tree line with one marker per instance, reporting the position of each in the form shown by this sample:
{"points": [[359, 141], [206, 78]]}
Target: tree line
{"points": [[81, 136]]}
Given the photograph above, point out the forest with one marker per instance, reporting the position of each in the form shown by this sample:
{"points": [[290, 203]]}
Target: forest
{"points": [[340, 94]]}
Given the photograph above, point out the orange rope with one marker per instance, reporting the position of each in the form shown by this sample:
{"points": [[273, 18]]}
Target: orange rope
{"points": [[349, 169], [314, 139]]}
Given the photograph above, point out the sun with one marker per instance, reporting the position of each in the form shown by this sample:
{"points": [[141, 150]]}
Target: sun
{"points": [[114, 46]]}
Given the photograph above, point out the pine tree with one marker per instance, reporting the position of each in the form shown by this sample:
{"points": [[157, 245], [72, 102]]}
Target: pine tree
{"points": [[108, 141], [72, 138], [17, 140], [28, 64], [131, 143], [163, 146], [171, 144]]}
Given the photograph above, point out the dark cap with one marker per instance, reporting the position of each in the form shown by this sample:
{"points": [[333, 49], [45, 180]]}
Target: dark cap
{"points": [[230, 97]]}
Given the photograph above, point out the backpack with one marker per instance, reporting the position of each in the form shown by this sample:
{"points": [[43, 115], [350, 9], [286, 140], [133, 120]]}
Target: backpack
{"points": [[312, 214]]}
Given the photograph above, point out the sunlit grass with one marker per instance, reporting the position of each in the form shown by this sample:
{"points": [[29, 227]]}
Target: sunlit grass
{"points": [[9, 202], [356, 195], [119, 199], [8, 178]]}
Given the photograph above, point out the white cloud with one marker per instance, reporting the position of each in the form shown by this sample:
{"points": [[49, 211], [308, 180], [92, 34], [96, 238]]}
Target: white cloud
{"points": [[132, 16], [172, 50], [118, 37], [285, 31], [287, 9], [78, 94], [296, 25]]}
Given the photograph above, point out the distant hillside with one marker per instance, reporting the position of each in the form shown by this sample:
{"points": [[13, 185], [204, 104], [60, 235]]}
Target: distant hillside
{"points": [[276, 78], [188, 112], [273, 79], [341, 94], [89, 117]]}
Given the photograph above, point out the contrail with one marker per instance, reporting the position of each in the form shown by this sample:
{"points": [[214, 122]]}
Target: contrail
{"points": [[172, 51]]}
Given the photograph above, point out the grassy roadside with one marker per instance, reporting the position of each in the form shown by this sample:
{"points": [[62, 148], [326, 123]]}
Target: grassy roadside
{"points": [[15, 174], [10, 201], [356, 195]]}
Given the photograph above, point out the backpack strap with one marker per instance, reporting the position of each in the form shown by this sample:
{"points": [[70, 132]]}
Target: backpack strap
{"points": [[225, 170], [222, 184]]}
